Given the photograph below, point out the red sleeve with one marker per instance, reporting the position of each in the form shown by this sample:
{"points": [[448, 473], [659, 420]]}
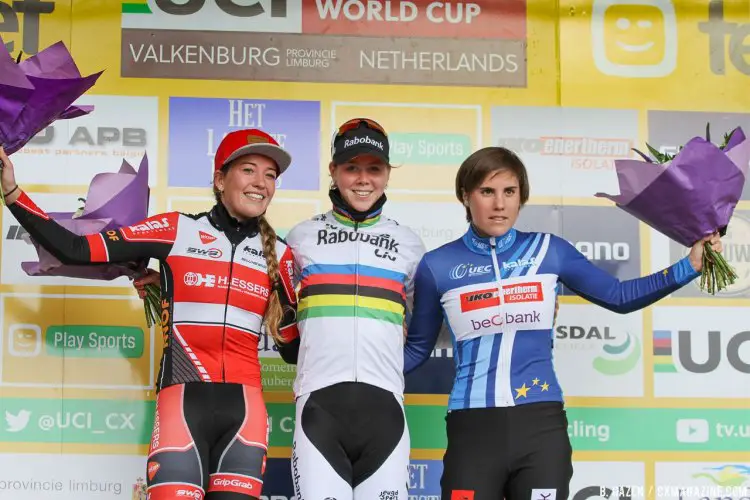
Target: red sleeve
{"points": [[117, 245], [154, 235], [288, 328]]}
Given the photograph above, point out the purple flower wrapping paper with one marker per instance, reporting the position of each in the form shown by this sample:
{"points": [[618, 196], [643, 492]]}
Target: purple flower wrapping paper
{"points": [[690, 196], [114, 200], [38, 91]]}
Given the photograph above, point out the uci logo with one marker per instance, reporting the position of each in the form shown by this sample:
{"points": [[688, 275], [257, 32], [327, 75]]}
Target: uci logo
{"points": [[275, 8], [281, 16]]}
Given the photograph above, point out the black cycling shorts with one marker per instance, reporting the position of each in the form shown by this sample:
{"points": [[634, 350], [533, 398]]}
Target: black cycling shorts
{"points": [[351, 442], [516, 453], [209, 441]]}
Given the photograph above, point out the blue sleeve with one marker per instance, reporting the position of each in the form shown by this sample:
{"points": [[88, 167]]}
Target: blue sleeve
{"points": [[597, 286], [426, 318]]}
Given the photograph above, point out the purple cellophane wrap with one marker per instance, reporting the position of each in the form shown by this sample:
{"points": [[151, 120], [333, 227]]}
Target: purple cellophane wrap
{"points": [[114, 200], [689, 197], [38, 91]]}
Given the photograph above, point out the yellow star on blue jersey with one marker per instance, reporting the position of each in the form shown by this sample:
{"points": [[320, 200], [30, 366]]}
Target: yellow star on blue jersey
{"points": [[521, 391]]}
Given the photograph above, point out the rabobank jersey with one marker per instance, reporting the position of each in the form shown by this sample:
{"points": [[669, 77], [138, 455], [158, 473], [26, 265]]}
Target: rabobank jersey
{"points": [[356, 281], [497, 296]]}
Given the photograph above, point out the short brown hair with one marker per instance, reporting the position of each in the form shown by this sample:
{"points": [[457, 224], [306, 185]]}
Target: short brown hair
{"points": [[475, 169]]}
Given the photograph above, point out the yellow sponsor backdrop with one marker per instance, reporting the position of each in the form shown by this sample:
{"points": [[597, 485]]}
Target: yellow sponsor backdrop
{"points": [[47, 347], [654, 54], [634, 54]]}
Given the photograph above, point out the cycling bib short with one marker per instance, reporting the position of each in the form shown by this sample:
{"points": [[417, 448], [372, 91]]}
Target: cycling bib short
{"points": [[519, 452], [350, 442], [208, 434]]}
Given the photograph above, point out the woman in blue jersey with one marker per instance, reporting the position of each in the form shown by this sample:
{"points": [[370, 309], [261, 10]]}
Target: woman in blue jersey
{"points": [[506, 423]]}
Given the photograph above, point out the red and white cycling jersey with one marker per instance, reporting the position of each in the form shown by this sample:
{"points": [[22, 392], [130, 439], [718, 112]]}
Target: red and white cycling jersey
{"points": [[214, 285]]}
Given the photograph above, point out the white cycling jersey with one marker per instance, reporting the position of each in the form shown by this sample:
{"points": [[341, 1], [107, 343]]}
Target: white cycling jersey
{"points": [[356, 284]]}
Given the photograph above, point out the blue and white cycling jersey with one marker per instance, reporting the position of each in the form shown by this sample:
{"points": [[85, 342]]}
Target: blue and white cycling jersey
{"points": [[502, 348]]}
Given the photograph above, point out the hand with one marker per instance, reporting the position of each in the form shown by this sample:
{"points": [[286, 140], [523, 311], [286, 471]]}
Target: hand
{"points": [[150, 278], [8, 178], [696, 252]]}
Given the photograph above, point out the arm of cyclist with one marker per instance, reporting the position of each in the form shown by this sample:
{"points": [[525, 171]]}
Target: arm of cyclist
{"points": [[289, 347], [420, 251], [152, 237], [599, 287], [426, 319]]}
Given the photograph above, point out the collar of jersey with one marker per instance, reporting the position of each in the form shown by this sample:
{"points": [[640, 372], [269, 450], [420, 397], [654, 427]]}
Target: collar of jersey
{"points": [[346, 219], [480, 245], [344, 214], [221, 219]]}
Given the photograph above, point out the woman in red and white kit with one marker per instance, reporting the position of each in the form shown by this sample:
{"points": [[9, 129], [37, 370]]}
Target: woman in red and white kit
{"points": [[224, 273]]}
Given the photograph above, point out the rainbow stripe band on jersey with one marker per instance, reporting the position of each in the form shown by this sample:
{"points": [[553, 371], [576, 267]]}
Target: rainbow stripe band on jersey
{"points": [[346, 219], [352, 290]]}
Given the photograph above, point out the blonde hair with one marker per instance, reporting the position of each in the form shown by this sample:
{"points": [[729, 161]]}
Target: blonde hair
{"points": [[274, 312]]}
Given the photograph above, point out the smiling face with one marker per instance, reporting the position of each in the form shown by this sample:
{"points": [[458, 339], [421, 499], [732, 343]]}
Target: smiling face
{"points": [[24, 341], [361, 180], [247, 185], [634, 34]]}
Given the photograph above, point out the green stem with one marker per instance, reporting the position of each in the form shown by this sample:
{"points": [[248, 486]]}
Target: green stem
{"points": [[153, 302], [152, 313], [147, 312], [717, 273], [720, 280], [153, 292], [718, 258]]}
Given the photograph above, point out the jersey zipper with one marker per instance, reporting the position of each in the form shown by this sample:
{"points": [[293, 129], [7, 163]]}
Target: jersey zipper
{"points": [[226, 311], [356, 296], [501, 361]]}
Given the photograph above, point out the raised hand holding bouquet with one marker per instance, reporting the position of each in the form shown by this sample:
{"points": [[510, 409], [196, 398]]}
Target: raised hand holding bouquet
{"points": [[689, 197], [114, 200], [38, 91]]}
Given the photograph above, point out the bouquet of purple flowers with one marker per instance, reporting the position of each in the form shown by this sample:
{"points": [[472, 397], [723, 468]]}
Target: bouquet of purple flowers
{"points": [[38, 91], [114, 200], [689, 195], [33, 94]]}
